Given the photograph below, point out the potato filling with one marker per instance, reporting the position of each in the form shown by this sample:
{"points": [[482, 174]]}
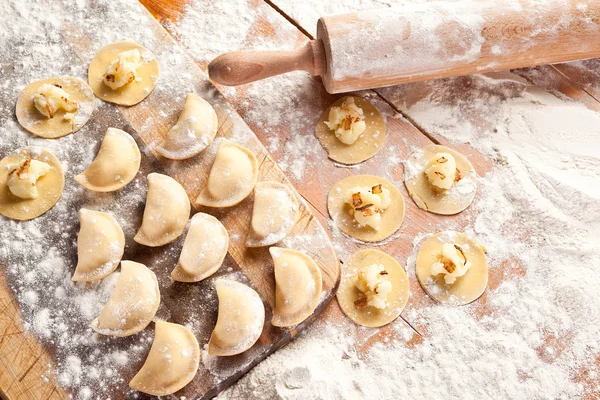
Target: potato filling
{"points": [[372, 281], [22, 179], [50, 98], [122, 70], [347, 121], [441, 171], [452, 263], [368, 204]]}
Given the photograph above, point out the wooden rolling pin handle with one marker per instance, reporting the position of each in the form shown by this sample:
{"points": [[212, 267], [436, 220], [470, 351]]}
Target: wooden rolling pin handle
{"points": [[240, 67]]}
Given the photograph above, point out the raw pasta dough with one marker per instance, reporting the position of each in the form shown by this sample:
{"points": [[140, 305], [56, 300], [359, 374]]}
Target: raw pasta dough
{"points": [[172, 362], [193, 132], [435, 200], [49, 186], [351, 299], [368, 143], [100, 245], [274, 213], [343, 214], [146, 74], [298, 286], [204, 249], [132, 304], [232, 176], [166, 213], [240, 321], [466, 288], [117, 163], [62, 122]]}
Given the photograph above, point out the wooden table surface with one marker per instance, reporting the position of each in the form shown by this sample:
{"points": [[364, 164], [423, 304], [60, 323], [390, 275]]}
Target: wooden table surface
{"points": [[275, 25]]}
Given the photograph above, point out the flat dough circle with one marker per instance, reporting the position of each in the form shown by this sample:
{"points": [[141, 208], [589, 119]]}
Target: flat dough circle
{"points": [[342, 215], [32, 120], [447, 202], [50, 186], [368, 143], [348, 293], [133, 92], [468, 287]]}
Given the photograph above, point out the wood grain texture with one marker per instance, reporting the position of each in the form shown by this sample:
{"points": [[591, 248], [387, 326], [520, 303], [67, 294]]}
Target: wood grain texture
{"points": [[24, 360]]}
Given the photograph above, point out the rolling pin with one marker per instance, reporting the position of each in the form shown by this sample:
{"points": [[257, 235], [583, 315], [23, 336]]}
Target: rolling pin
{"points": [[431, 40]]}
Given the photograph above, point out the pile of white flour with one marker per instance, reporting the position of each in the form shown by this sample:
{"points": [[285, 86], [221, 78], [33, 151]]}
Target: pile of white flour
{"points": [[537, 211]]}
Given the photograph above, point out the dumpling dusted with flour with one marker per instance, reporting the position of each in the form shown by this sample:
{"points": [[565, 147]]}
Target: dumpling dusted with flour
{"points": [[232, 176], [100, 245], [115, 165], [193, 132], [274, 214], [204, 249], [166, 213], [298, 286], [240, 321], [132, 304], [172, 362]]}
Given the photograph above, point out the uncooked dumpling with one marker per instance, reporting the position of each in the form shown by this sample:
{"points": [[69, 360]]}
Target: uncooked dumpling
{"points": [[123, 73], [240, 321], [274, 214], [204, 249], [440, 180], [55, 107], [166, 213], [172, 362], [366, 207], [351, 130], [132, 304], [374, 288], [452, 268], [117, 163], [100, 245], [31, 183], [232, 176], [297, 286], [193, 132]]}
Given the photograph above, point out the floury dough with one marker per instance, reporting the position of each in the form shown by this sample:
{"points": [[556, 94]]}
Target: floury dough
{"points": [[146, 74], [62, 122], [342, 213], [349, 296], [368, 143], [49, 186], [466, 288], [433, 199]]}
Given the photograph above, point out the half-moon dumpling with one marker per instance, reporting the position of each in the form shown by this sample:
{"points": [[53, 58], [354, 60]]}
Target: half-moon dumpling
{"points": [[194, 131], [132, 304], [274, 214], [204, 249], [232, 176], [123, 73], [117, 163], [55, 107], [100, 245], [240, 321], [172, 362], [297, 286], [166, 213]]}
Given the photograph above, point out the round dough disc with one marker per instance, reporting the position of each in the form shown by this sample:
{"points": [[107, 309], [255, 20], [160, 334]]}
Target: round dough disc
{"points": [[468, 287], [32, 120], [133, 92], [368, 143], [445, 202], [50, 186], [348, 293], [342, 215]]}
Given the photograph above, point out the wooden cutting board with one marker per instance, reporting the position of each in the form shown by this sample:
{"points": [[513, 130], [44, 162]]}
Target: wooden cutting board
{"points": [[24, 359]]}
